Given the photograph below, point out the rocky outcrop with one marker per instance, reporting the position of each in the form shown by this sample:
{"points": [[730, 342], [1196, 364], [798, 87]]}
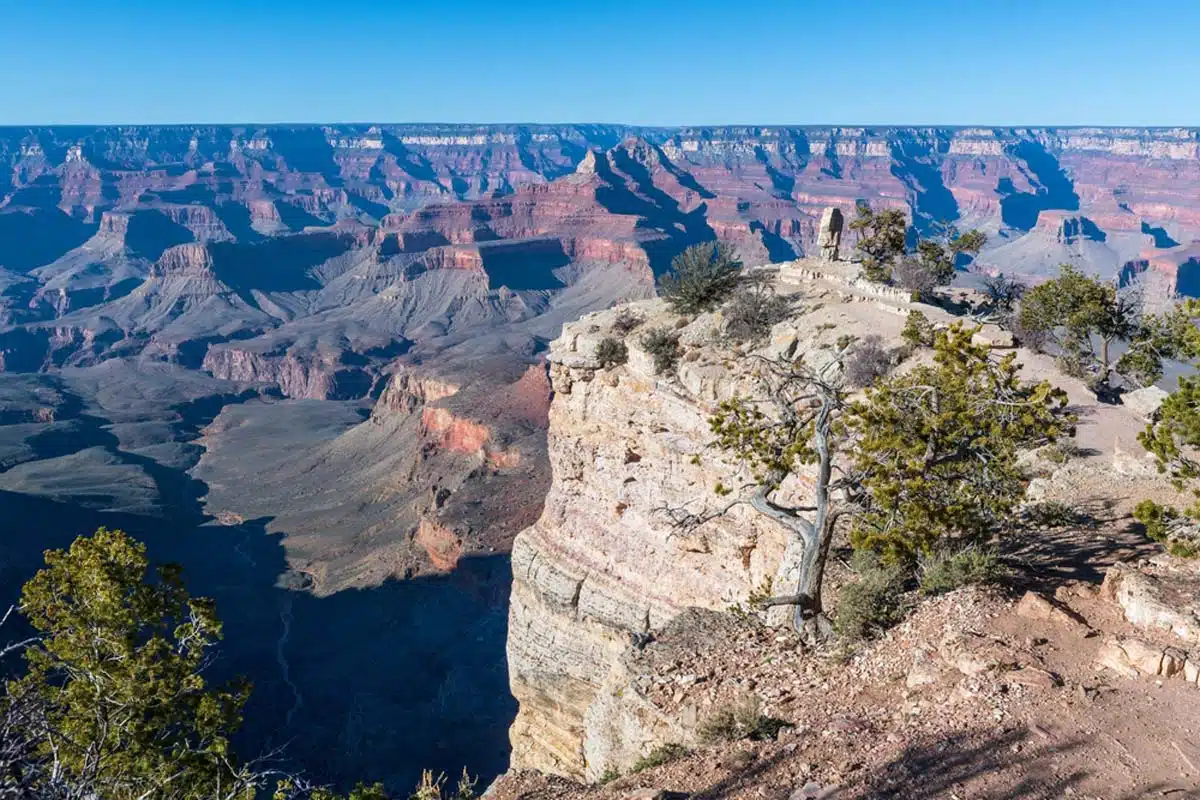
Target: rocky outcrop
{"points": [[308, 377], [612, 558], [829, 237], [1158, 596], [605, 562]]}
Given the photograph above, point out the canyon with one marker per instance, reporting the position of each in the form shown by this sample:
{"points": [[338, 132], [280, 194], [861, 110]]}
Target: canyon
{"points": [[314, 364]]}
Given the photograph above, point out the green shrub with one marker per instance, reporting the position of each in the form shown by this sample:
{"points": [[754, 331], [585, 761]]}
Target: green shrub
{"points": [[663, 754], [701, 278], [739, 720], [1165, 525], [874, 602], [625, 322], [947, 570], [611, 352], [608, 776], [663, 346], [918, 330]]}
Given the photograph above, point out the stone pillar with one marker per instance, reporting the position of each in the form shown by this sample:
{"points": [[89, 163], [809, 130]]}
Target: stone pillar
{"points": [[829, 233]]}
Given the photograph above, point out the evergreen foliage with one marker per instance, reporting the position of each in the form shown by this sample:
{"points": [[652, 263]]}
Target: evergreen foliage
{"points": [[701, 278], [118, 671], [611, 352], [937, 447], [881, 240], [924, 455], [663, 346], [114, 703], [754, 310], [918, 330], [1074, 310]]}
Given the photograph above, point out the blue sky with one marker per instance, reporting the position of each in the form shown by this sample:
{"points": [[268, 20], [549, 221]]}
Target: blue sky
{"points": [[634, 61]]}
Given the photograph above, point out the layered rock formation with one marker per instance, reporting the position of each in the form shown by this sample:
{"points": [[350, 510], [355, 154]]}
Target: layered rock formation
{"points": [[608, 561]]}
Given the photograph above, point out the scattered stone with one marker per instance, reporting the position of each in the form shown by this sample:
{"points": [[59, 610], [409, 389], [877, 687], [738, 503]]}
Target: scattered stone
{"points": [[994, 336], [1142, 597], [1173, 661], [1033, 678]]}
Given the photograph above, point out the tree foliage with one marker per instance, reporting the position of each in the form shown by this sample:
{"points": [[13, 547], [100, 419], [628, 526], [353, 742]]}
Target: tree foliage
{"points": [[754, 309], [1074, 311], [918, 330], [881, 240], [925, 454], [114, 703], [940, 254], [1003, 292], [701, 278], [937, 446], [611, 352], [118, 674], [663, 346], [1173, 435]]}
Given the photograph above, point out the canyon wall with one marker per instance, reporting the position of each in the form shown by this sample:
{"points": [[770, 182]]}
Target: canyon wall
{"points": [[609, 562]]}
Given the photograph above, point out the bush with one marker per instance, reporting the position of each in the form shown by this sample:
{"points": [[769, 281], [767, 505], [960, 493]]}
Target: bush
{"points": [[918, 330], [1034, 338], [868, 362], [915, 277], [754, 310], [701, 278], [611, 353], [1003, 293], [608, 776], [625, 322], [874, 602], [742, 719], [431, 788], [663, 345], [947, 570], [663, 754], [1178, 534]]}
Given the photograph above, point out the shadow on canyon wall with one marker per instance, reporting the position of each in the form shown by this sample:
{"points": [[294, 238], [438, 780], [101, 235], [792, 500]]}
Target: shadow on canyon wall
{"points": [[366, 684], [1053, 188]]}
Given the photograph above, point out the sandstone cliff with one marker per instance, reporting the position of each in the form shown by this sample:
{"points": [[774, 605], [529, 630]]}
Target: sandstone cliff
{"points": [[630, 454]]}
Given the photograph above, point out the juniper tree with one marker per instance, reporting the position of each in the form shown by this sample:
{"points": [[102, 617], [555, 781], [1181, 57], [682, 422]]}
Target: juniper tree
{"points": [[939, 254], [881, 240], [924, 454], [1073, 311], [701, 278], [114, 703], [117, 677], [936, 448], [1173, 436], [1003, 292]]}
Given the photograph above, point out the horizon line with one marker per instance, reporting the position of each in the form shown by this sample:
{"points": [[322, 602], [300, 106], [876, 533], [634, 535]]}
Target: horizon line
{"points": [[642, 126]]}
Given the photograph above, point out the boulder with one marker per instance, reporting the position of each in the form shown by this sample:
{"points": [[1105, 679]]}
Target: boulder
{"points": [[1035, 606], [994, 336], [1146, 601], [1144, 402]]}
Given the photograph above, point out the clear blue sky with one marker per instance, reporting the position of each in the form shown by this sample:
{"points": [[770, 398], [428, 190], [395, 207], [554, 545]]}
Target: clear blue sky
{"points": [[631, 61]]}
